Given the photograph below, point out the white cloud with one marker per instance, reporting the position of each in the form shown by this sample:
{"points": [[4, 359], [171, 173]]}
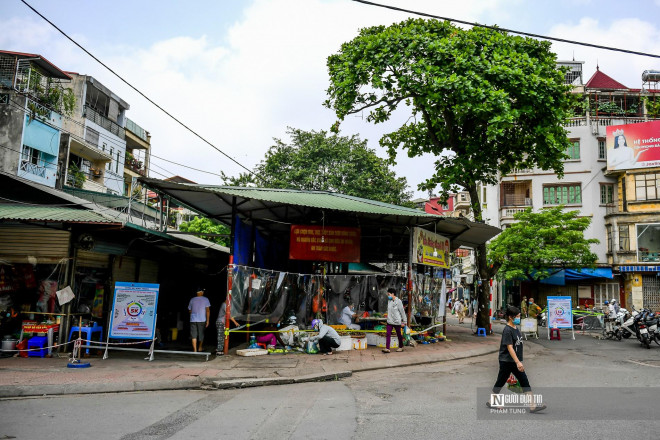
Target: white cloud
{"points": [[268, 73], [628, 33]]}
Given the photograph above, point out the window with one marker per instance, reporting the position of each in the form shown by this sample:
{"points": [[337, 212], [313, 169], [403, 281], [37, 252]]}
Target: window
{"points": [[647, 186], [30, 155], [606, 193], [117, 164], [562, 195], [648, 242], [445, 207], [109, 165], [602, 150], [624, 238], [573, 150], [609, 239], [483, 195]]}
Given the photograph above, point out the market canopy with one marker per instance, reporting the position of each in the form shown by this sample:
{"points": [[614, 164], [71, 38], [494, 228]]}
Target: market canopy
{"points": [[385, 227]]}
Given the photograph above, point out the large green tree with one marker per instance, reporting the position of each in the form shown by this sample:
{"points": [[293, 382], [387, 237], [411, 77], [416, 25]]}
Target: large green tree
{"points": [[482, 101], [322, 161], [540, 244]]}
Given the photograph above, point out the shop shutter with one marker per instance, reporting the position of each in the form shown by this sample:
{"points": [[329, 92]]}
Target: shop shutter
{"points": [[33, 244], [651, 292], [92, 259], [123, 269], [148, 271]]}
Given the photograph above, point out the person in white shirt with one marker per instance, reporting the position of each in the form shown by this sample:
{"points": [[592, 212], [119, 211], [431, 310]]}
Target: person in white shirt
{"points": [[200, 311], [347, 316]]}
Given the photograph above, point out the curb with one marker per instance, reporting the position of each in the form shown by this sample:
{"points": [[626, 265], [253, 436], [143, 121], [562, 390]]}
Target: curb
{"points": [[13, 391], [246, 383]]}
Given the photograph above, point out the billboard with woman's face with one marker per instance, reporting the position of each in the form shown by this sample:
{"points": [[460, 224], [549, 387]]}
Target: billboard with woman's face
{"points": [[633, 146]]}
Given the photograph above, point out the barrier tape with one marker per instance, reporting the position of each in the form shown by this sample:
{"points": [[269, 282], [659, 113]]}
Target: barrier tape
{"points": [[39, 349], [117, 343]]}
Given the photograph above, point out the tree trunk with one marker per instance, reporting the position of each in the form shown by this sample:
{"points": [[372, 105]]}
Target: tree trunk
{"points": [[483, 290]]}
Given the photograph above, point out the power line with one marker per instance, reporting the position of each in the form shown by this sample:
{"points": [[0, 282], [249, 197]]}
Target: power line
{"points": [[500, 29], [186, 166], [135, 89]]}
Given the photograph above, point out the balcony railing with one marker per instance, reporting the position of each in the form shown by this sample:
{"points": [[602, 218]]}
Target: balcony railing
{"points": [[29, 167], [140, 170], [136, 130], [510, 212], [104, 122]]}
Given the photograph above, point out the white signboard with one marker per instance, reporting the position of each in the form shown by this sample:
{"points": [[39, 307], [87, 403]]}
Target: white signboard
{"points": [[560, 312], [134, 311]]}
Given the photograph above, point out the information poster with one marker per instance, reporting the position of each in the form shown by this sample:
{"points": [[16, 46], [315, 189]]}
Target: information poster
{"points": [[560, 312], [134, 311]]}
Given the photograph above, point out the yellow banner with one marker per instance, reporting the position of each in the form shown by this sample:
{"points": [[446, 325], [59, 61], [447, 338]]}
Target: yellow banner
{"points": [[430, 249]]}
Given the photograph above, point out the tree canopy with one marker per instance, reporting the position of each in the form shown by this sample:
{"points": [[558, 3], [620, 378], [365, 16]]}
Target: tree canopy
{"points": [[541, 243], [201, 226], [322, 161], [482, 101]]}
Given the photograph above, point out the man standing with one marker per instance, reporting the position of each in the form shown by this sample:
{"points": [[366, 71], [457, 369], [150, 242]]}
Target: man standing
{"points": [[533, 309], [396, 317], [200, 311], [523, 307]]}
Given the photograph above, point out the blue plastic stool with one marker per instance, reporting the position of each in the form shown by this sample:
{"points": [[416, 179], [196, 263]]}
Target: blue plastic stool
{"points": [[38, 342], [481, 332], [87, 332]]}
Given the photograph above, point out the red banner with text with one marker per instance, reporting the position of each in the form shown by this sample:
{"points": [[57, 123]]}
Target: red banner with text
{"points": [[325, 243]]}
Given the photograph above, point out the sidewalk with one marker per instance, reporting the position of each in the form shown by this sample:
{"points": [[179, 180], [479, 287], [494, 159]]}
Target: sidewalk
{"points": [[128, 371]]}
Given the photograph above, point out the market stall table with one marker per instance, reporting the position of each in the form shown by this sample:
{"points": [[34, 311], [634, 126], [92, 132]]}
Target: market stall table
{"points": [[33, 327], [370, 322]]}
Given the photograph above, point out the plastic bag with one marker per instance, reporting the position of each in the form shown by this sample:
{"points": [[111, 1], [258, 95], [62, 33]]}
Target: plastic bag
{"points": [[513, 385]]}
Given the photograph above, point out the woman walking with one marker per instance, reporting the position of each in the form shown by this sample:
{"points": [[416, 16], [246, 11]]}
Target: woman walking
{"points": [[396, 317], [511, 357]]}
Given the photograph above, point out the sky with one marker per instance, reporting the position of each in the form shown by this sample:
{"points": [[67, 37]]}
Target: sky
{"points": [[240, 72]]}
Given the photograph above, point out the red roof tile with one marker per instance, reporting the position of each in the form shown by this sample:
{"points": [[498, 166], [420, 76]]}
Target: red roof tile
{"points": [[599, 80]]}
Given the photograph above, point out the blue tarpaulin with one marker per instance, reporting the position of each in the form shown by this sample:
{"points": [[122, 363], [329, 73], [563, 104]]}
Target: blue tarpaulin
{"points": [[588, 274]]}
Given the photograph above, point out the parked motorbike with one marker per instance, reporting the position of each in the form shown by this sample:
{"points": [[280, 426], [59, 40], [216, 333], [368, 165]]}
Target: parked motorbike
{"points": [[611, 326], [542, 319], [651, 321], [627, 324], [643, 331]]}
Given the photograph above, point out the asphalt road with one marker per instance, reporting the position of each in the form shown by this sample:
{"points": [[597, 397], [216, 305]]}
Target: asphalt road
{"points": [[424, 402]]}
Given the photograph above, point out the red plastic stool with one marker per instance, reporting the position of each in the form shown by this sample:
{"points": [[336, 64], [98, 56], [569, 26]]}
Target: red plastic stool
{"points": [[555, 334]]}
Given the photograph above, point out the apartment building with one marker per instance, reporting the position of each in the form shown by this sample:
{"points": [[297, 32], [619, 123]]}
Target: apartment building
{"points": [[621, 203]]}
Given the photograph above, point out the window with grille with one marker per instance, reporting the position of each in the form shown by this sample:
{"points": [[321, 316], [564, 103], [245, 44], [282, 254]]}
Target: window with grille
{"points": [[647, 186], [573, 151], [562, 195], [609, 238], [602, 150], [624, 238], [606, 193]]}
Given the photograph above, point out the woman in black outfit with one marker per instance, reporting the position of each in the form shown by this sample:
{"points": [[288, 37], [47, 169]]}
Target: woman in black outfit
{"points": [[511, 356]]}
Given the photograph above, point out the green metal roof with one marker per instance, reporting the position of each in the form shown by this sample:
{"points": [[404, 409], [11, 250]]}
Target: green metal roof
{"points": [[50, 214], [317, 199]]}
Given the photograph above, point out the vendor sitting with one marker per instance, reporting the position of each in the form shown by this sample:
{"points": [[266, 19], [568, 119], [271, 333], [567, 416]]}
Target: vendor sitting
{"points": [[328, 338], [347, 316]]}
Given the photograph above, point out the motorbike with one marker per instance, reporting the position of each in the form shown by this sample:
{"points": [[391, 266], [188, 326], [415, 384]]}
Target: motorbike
{"points": [[643, 331], [651, 321], [612, 325], [542, 319], [627, 324]]}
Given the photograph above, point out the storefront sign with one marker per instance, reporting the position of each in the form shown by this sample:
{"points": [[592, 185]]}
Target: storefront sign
{"points": [[633, 146], [134, 311], [430, 249], [324, 243], [560, 312]]}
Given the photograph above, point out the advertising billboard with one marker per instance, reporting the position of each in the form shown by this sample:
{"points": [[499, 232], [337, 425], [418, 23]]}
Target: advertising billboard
{"points": [[633, 146], [324, 243], [430, 249], [134, 311]]}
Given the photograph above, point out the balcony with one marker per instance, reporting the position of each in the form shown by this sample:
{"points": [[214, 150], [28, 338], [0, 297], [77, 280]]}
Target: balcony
{"points": [[136, 130], [104, 122]]}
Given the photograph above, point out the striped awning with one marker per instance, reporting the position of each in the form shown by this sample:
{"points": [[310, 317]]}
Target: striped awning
{"points": [[639, 268]]}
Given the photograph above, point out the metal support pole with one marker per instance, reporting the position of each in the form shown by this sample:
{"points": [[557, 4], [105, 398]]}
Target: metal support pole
{"points": [[230, 274]]}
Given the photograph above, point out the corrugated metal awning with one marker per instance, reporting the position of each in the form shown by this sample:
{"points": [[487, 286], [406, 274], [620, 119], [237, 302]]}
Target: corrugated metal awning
{"points": [[51, 214]]}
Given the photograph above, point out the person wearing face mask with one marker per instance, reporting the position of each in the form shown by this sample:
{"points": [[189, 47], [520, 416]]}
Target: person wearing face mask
{"points": [[511, 357], [347, 316], [533, 309], [396, 318]]}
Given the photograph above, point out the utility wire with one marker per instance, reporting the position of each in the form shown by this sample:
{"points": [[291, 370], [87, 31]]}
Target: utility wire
{"points": [[136, 90], [527, 34]]}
